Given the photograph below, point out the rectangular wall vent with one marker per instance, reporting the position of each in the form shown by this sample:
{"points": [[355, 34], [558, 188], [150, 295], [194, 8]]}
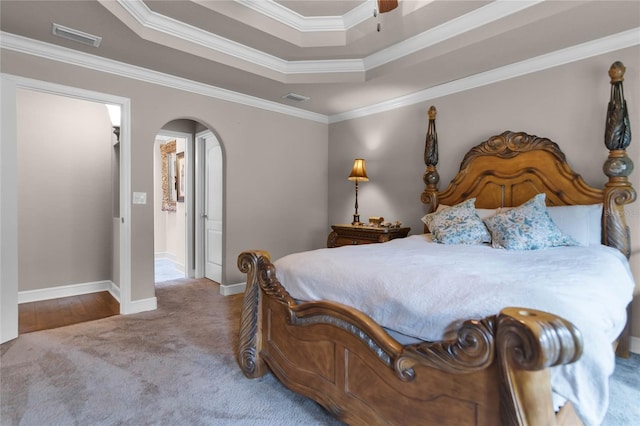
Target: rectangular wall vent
{"points": [[75, 35], [296, 97]]}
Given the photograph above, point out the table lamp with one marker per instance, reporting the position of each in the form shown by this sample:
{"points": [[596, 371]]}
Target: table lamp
{"points": [[358, 173]]}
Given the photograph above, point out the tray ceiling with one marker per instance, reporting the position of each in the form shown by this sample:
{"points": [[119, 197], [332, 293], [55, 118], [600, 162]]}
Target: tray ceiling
{"points": [[327, 50]]}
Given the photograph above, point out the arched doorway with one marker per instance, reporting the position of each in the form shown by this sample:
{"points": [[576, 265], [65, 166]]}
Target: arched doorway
{"points": [[188, 201]]}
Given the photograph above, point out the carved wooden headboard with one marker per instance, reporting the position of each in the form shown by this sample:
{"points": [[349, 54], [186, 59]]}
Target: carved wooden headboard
{"points": [[509, 169]]}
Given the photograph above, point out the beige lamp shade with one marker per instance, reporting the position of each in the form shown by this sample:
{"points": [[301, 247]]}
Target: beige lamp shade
{"points": [[359, 171]]}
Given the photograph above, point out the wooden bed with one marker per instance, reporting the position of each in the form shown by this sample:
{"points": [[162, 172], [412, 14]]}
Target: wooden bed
{"points": [[497, 369]]}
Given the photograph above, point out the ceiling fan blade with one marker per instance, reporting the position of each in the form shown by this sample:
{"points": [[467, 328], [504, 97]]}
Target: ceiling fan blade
{"points": [[387, 5]]}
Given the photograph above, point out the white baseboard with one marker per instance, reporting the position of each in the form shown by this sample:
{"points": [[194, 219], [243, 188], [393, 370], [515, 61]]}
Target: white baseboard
{"points": [[142, 305], [163, 255], [133, 307], [229, 289], [115, 291], [634, 345], [66, 291]]}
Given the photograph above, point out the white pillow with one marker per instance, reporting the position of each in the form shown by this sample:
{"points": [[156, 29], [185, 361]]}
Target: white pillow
{"points": [[582, 223], [487, 213], [482, 213]]}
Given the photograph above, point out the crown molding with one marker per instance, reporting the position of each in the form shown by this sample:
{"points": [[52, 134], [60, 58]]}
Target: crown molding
{"points": [[475, 19], [32, 47], [150, 20], [280, 69], [586, 50], [275, 68], [579, 52], [294, 20]]}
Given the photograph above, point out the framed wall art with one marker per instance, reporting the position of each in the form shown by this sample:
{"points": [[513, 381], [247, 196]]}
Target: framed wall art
{"points": [[180, 177]]}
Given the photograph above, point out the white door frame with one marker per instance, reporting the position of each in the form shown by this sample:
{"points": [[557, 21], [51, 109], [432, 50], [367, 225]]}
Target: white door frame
{"points": [[199, 202], [9, 191]]}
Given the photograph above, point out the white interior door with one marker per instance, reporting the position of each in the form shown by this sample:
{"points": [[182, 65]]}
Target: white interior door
{"points": [[213, 209]]}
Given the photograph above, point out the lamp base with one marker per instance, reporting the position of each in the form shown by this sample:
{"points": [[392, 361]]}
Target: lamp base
{"points": [[356, 220]]}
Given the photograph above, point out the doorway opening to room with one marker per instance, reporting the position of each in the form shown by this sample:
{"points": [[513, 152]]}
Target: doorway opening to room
{"points": [[170, 201], [188, 202], [69, 259]]}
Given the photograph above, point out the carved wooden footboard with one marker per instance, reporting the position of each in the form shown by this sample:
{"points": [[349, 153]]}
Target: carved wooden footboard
{"points": [[496, 371]]}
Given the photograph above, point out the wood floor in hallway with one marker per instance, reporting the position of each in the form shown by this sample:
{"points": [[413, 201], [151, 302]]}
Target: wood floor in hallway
{"points": [[54, 313]]}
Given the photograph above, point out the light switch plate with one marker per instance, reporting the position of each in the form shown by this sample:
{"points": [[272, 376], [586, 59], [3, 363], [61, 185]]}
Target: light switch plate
{"points": [[139, 198]]}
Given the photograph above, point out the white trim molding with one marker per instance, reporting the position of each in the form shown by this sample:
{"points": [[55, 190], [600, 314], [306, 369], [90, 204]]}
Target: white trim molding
{"points": [[586, 50], [143, 305], [135, 306], [28, 296], [115, 291], [164, 255], [294, 20], [8, 213], [52, 52], [477, 18], [568, 55], [229, 289], [155, 27]]}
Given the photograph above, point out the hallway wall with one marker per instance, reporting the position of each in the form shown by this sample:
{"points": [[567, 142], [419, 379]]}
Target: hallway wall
{"points": [[65, 220]]}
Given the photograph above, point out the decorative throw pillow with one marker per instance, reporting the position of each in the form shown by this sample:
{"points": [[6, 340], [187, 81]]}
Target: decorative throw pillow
{"points": [[526, 227], [459, 224]]}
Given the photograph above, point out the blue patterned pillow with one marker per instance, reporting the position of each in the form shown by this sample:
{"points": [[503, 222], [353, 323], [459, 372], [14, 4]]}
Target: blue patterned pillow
{"points": [[527, 227], [459, 224]]}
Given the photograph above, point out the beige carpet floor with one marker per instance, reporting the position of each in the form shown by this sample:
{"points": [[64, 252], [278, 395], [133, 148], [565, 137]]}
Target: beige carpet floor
{"points": [[174, 366]]}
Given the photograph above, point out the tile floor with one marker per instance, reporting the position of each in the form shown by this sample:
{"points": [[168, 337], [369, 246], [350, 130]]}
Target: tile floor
{"points": [[165, 271]]}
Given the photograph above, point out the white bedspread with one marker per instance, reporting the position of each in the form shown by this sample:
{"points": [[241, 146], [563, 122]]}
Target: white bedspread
{"points": [[424, 290]]}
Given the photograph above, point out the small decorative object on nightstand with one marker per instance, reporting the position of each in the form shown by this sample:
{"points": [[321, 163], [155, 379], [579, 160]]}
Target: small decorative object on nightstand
{"points": [[348, 235], [376, 220]]}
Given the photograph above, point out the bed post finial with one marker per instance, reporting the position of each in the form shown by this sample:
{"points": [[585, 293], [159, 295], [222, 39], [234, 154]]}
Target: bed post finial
{"points": [[431, 177], [618, 167], [617, 134], [616, 72]]}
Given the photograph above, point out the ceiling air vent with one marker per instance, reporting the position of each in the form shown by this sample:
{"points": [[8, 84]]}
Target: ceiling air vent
{"points": [[296, 97], [75, 35]]}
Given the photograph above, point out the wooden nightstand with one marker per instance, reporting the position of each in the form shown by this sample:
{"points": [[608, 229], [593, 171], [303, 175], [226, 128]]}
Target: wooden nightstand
{"points": [[348, 235]]}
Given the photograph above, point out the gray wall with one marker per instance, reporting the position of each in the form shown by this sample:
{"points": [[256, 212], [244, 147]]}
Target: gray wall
{"points": [[64, 191], [270, 159], [567, 104], [282, 172]]}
